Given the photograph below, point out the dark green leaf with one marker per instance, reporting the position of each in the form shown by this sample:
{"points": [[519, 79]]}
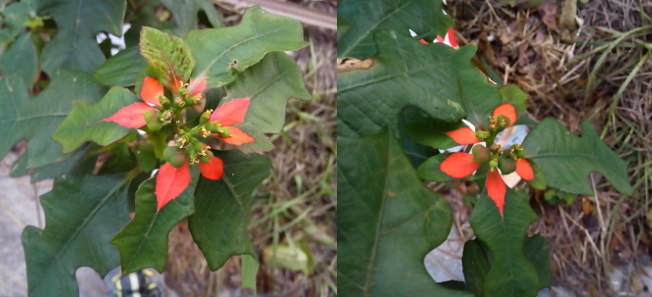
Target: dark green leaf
{"points": [[537, 251], [35, 119], [81, 215], [20, 59], [84, 123], [387, 221], [365, 18], [14, 19], [511, 274], [223, 52], [431, 132], [143, 242], [168, 57], [185, 13], [566, 160], [269, 84], [476, 266], [413, 74], [140, 14], [78, 21], [123, 69], [219, 224]]}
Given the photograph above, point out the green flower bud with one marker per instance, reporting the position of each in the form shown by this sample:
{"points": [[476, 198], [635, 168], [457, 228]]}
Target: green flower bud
{"points": [[482, 134], [506, 165], [205, 116], [481, 154], [174, 155], [152, 118], [502, 122], [206, 158], [493, 163]]}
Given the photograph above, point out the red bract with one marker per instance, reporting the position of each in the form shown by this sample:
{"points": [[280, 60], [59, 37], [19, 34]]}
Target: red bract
{"points": [[524, 169], [170, 183], [213, 169], [496, 188], [232, 112], [133, 115], [459, 165], [448, 39], [507, 110], [463, 136]]}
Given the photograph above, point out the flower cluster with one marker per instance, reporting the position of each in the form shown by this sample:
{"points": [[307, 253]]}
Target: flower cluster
{"points": [[501, 162], [158, 111]]}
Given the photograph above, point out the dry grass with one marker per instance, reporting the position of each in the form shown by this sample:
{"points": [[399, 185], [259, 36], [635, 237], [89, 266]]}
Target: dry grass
{"points": [[600, 71], [297, 202]]}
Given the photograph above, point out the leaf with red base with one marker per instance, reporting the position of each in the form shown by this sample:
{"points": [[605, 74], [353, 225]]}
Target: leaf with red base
{"points": [[232, 112], [131, 116], [463, 136], [170, 183], [496, 188], [238, 137]]}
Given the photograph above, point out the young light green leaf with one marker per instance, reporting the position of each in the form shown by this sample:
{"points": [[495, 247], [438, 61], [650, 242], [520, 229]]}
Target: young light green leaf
{"points": [[511, 274], [78, 21], [123, 69], [269, 84], [387, 221], [225, 205], [366, 18], [85, 121], [223, 52], [169, 57], [249, 270], [81, 215], [20, 59], [566, 160], [144, 241], [35, 119]]}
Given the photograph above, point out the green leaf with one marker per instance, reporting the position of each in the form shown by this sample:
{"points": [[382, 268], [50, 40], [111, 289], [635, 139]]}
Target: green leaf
{"points": [[429, 170], [14, 19], [537, 251], [78, 21], [168, 56], [249, 270], [511, 273], [20, 59], [140, 14], [269, 84], [475, 265], [387, 221], [514, 95], [223, 52], [84, 123], [479, 97], [219, 224], [123, 69], [143, 242], [413, 74], [566, 160], [81, 215], [365, 18], [35, 119], [260, 145], [185, 13]]}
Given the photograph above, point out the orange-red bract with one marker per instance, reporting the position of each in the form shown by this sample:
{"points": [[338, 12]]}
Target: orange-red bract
{"points": [[496, 188], [238, 137], [131, 116], [213, 169], [232, 112], [170, 183], [508, 111], [452, 39], [151, 90], [459, 165], [463, 136], [524, 169]]}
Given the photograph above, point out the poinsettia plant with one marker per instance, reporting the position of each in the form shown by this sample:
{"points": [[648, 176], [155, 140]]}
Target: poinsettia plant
{"points": [[414, 106], [171, 128]]}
